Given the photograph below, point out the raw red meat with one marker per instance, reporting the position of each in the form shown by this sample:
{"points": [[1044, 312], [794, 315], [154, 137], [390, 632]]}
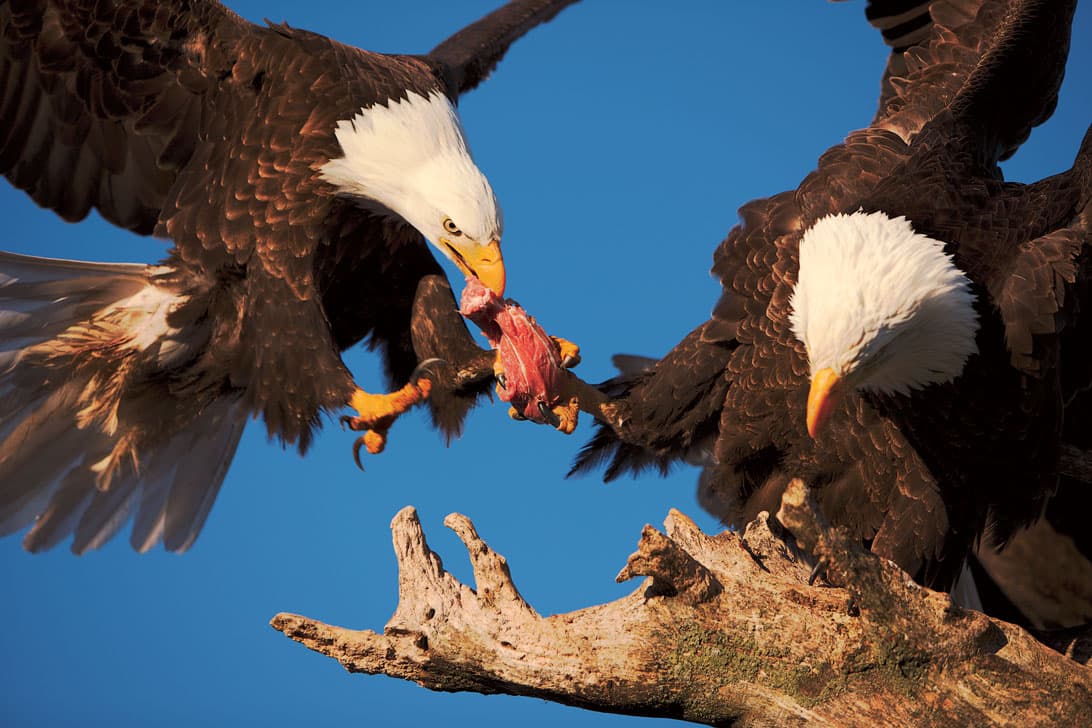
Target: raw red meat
{"points": [[530, 358]]}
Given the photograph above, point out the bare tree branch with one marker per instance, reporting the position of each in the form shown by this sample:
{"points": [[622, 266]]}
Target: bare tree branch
{"points": [[724, 631]]}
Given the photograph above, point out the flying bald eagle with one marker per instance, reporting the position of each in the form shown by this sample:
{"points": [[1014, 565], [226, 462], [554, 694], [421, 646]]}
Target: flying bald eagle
{"points": [[904, 329], [301, 182]]}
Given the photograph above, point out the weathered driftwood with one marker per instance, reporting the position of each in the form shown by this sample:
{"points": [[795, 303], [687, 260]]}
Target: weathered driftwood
{"points": [[724, 630]]}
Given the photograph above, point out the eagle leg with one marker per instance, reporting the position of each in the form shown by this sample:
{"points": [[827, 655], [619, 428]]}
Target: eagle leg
{"points": [[566, 414], [377, 412], [567, 411]]}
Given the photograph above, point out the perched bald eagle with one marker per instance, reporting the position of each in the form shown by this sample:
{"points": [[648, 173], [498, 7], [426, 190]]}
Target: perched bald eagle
{"points": [[905, 330], [301, 182]]}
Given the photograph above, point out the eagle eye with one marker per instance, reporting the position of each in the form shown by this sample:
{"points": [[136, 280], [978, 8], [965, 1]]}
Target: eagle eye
{"points": [[451, 227]]}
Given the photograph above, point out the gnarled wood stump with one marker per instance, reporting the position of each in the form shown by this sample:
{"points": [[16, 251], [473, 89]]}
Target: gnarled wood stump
{"points": [[724, 630]]}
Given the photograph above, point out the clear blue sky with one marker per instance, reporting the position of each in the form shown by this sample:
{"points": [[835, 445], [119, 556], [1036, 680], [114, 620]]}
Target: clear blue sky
{"points": [[620, 139]]}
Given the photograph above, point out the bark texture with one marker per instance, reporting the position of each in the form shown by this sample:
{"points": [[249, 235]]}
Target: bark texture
{"points": [[723, 630]]}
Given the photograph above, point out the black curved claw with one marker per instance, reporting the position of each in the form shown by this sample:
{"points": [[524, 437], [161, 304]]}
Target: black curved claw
{"points": [[356, 452], [819, 570], [547, 414], [422, 369], [502, 380], [345, 420], [517, 415], [570, 361]]}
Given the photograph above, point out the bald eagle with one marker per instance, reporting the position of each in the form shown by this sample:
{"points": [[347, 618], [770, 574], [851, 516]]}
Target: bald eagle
{"points": [[301, 182], [904, 330]]}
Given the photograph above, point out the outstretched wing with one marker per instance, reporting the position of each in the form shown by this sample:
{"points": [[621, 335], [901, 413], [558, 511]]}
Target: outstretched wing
{"points": [[471, 54], [971, 57], [933, 40], [99, 101]]}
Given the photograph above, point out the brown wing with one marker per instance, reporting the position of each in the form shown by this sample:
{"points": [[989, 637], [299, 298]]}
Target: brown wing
{"points": [[669, 411], [972, 56], [1043, 292], [933, 44], [1014, 86], [1045, 570], [471, 54], [974, 64], [100, 101]]}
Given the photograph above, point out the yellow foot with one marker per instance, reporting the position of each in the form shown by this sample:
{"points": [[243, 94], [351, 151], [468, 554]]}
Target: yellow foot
{"points": [[562, 416], [570, 352], [377, 412], [567, 413]]}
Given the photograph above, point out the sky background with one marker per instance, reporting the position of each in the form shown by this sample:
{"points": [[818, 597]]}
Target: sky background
{"points": [[620, 139]]}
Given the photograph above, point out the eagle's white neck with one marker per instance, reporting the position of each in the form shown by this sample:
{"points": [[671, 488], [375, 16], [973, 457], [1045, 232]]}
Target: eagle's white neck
{"points": [[881, 305], [411, 156]]}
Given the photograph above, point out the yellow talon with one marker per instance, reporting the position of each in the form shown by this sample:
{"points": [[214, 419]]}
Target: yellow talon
{"points": [[568, 415], [374, 408], [568, 351], [377, 412], [498, 374]]}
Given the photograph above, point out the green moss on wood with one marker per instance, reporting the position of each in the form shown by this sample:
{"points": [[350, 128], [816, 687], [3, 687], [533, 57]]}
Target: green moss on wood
{"points": [[707, 660]]}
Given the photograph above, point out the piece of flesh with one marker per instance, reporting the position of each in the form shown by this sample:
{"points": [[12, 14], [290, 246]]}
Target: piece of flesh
{"points": [[530, 361]]}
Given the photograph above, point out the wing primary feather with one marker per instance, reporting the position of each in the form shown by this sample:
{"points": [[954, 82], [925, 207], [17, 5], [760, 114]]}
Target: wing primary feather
{"points": [[198, 478], [471, 54], [61, 515], [105, 514]]}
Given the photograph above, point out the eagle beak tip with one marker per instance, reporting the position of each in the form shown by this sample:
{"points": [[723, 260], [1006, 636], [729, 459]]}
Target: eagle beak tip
{"points": [[484, 263], [494, 262], [823, 397]]}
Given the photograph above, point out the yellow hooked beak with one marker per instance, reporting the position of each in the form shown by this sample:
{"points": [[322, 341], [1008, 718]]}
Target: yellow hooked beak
{"points": [[484, 262], [823, 397]]}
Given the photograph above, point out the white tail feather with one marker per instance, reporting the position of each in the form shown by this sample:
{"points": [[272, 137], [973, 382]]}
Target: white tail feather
{"points": [[78, 452], [62, 514]]}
